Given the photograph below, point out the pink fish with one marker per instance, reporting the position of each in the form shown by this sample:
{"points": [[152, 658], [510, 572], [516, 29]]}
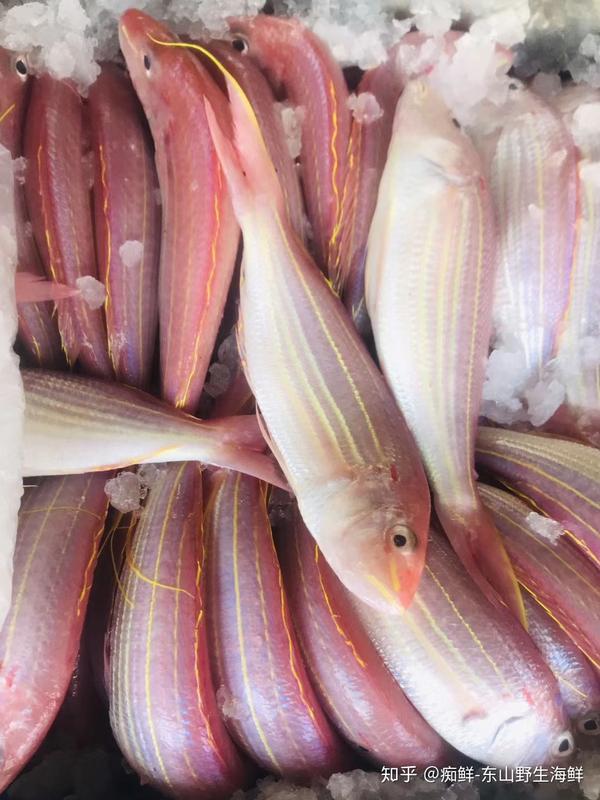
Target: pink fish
{"points": [[163, 708], [200, 234], [332, 422], [297, 60], [127, 214], [38, 332], [58, 197], [60, 525]]}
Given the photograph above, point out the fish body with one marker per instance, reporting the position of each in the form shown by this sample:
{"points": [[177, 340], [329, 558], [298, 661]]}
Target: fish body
{"points": [[533, 181], [200, 235], [557, 574], [163, 709], [75, 424], [38, 333], [353, 684], [127, 217], [561, 477], [471, 669], [429, 282], [58, 197], [297, 60], [577, 680], [266, 698], [60, 525], [332, 421]]}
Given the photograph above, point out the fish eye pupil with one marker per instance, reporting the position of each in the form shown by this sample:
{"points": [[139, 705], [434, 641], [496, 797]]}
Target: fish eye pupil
{"points": [[146, 62], [590, 725], [21, 67], [239, 45], [564, 746], [400, 540]]}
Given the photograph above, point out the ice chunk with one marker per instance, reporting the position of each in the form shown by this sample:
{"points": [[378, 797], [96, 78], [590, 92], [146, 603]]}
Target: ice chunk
{"points": [[125, 492], [434, 17], [12, 401], [546, 85], [505, 25], [544, 527], [544, 399], [148, 475], [292, 118], [365, 108], [55, 35], [506, 374], [219, 378], [585, 65], [230, 707], [92, 291], [131, 253]]}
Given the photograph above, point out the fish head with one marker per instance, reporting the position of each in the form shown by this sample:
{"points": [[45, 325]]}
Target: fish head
{"points": [[375, 547], [266, 40], [539, 737], [14, 72]]}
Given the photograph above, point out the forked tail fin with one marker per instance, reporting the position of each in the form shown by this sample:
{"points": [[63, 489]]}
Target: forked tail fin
{"points": [[479, 545], [31, 288]]}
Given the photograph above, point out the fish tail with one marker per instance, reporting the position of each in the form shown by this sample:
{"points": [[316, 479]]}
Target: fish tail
{"points": [[479, 545]]}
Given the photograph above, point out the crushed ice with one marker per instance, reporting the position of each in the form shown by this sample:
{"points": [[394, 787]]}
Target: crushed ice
{"points": [[365, 108], [92, 291], [128, 490], [131, 253], [548, 529]]}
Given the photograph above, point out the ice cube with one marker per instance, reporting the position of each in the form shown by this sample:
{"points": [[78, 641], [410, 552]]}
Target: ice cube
{"points": [[124, 492], [292, 118], [365, 108], [131, 253], [544, 399], [546, 85], [92, 291], [548, 529]]}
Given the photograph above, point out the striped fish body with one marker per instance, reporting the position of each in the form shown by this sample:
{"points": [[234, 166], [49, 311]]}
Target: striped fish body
{"points": [[297, 60], [428, 288], [352, 682], [60, 525], [561, 477], [75, 424], [163, 709], [58, 197], [127, 210], [38, 333], [266, 698], [558, 575], [471, 670], [577, 680], [200, 235], [332, 421]]}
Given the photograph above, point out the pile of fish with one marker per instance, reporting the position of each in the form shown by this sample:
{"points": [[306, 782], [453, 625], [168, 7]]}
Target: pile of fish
{"points": [[314, 576]]}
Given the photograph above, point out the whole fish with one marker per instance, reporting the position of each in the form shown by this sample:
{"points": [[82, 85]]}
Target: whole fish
{"points": [[260, 95], [60, 525], [561, 477], [299, 62], [578, 360], [556, 573], [38, 332], [57, 187], [263, 687], [127, 215], [428, 288], [200, 235], [75, 424], [352, 682], [163, 709], [471, 669], [577, 680], [333, 423], [531, 159]]}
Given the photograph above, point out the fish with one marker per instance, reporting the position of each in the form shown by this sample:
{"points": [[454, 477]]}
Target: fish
{"points": [[38, 331], [471, 669], [58, 199], [265, 695], [560, 476], [127, 217], [557, 574], [162, 702], [578, 682], [60, 524], [429, 282], [579, 333], [75, 424], [330, 419], [532, 168], [295, 59], [353, 684], [259, 93], [200, 234]]}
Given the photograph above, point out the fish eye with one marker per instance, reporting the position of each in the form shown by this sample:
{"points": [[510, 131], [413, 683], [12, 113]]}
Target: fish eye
{"points": [[403, 539], [21, 67], [147, 62], [590, 724], [240, 44], [565, 745]]}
